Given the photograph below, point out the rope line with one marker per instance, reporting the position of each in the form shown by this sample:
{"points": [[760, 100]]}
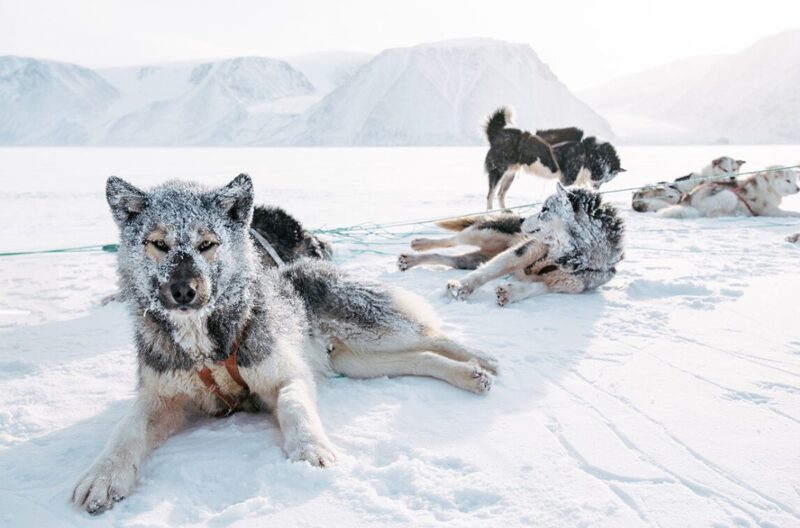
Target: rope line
{"points": [[355, 233]]}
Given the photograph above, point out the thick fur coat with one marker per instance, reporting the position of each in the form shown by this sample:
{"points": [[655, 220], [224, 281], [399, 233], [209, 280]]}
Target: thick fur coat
{"points": [[201, 300], [756, 195], [571, 245], [653, 198], [563, 154]]}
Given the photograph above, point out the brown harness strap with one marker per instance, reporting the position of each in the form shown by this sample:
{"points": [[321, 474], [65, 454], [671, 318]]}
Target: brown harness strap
{"points": [[737, 191], [232, 368]]}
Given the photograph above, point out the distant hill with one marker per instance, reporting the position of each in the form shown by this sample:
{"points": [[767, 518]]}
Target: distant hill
{"points": [[752, 96], [439, 94]]}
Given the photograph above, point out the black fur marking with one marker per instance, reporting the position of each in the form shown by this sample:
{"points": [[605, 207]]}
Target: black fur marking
{"points": [[560, 135], [286, 235], [509, 224], [332, 295], [522, 249], [547, 269]]}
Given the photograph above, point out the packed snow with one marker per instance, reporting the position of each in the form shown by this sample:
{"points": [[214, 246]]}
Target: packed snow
{"points": [[669, 397]]}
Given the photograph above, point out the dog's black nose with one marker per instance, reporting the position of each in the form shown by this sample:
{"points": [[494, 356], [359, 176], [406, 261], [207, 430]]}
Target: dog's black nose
{"points": [[182, 292]]}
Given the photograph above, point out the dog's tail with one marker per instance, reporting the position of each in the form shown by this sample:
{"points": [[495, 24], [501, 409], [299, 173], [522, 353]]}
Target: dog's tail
{"points": [[460, 224], [501, 118], [679, 211]]}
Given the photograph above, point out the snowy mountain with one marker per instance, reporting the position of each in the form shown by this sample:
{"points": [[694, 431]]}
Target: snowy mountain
{"points": [[748, 97], [432, 94], [50, 103], [329, 70], [438, 94], [222, 103]]}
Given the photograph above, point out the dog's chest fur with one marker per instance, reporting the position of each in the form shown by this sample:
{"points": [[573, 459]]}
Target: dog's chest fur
{"points": [[191, 334]]}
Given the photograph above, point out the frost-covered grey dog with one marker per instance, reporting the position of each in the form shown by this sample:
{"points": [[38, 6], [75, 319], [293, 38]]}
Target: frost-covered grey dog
{"points": [[572, 245], [217, 331]]}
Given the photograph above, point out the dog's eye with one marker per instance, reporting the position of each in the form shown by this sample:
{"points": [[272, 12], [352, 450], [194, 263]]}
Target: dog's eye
{"points": [[205, 245], [159, 245]]}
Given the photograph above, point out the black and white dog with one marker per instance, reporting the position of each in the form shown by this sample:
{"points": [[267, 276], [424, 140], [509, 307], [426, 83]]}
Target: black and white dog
{"points": [[563, 154]]}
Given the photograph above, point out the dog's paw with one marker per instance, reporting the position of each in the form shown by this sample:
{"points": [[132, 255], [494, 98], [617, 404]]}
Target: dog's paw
{"points": [[458, 291], [403, 262], [316, 453], [108, 481], [503, 294], [480, 380], [419, 244], [489, 363]]}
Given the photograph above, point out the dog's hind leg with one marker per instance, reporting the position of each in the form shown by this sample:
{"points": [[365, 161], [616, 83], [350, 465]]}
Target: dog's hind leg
{"points": [[505, 185], [111, 478], [512, 259], [464, 375], [494, 178], [516, 291], [424, 244], [439, 342], [468, 261]]}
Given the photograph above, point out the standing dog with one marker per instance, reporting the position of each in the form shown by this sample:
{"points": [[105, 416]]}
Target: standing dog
{"points": [[652, 198], [562, 154], [217, 332], [572, 245], [757, 195]]}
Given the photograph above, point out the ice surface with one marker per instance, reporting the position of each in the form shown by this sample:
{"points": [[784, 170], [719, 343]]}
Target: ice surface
{"points": [[669, 397]]}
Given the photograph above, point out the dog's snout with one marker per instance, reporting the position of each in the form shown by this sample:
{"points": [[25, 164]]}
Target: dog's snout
{"points": [[182, 292]]}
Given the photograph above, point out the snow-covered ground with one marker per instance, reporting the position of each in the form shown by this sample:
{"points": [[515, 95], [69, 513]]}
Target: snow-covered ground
{"points": [[670, 397]]}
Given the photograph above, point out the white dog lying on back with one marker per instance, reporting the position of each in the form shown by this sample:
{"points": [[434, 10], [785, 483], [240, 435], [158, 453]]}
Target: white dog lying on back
{"points": [[756, 195]]}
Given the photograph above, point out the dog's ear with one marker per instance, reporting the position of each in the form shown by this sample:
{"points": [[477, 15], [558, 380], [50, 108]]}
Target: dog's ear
{"points": [[562, 192], [236, 199], [739, 163], [126, 201], [717, 162]]}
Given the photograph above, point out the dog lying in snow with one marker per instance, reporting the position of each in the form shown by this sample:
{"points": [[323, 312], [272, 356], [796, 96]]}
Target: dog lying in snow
{"points": [[756, 195], [652, 198], [218, 332], [572, 245], [562, 154]]}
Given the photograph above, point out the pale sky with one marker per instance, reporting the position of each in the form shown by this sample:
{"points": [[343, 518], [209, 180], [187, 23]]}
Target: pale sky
{"points": [[585, 42]]}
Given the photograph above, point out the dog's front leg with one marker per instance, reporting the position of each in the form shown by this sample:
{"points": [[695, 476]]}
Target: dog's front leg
{"points": [[506, 262], [304, 437], [111, 478]]}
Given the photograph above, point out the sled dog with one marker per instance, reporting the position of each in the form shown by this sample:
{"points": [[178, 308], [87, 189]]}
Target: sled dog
{"points": [[756, 195], [217, 332], [652, 198], [572, 245], [563, 154]]}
